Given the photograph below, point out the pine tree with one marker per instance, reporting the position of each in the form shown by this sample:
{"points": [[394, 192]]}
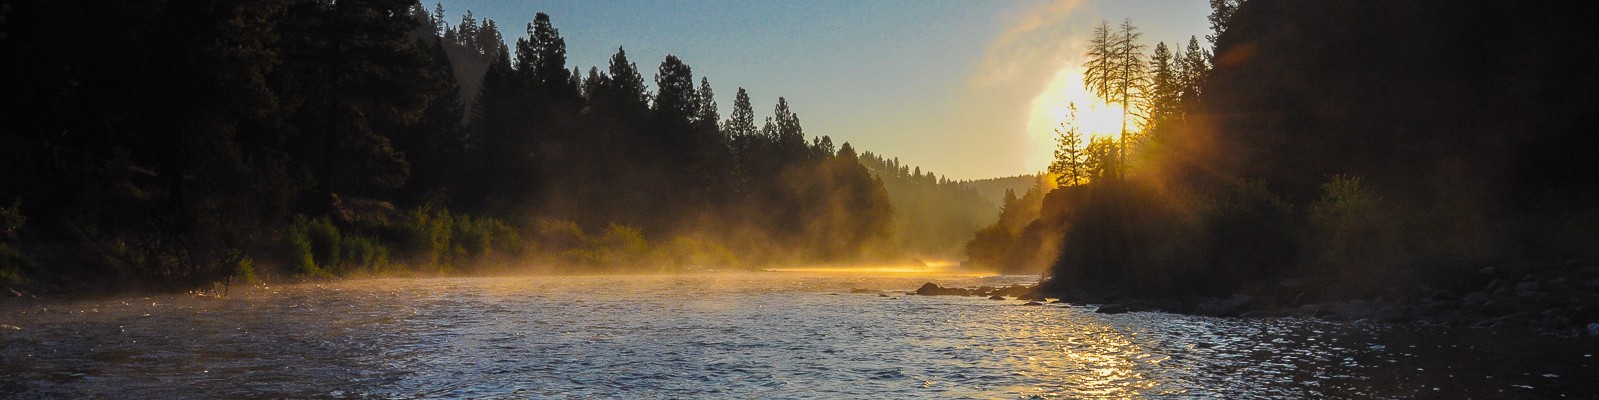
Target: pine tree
{"points": [[1115, 71], [1068, 164], [1193, 67], [541, 58], [1164, 92], [674, 91], [626, 82], [1220, 12], [741, 123], [707, 105]]}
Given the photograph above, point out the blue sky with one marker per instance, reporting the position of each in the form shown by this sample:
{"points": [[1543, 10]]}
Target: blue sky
{"points": [[956, 87]]}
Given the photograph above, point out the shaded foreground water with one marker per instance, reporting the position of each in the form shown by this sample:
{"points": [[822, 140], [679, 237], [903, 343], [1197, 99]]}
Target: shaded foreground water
{"points": [[737, 335]]}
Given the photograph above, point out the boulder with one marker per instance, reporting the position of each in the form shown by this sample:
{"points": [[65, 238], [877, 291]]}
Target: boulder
{"points": [[1228, 307], [1478, 303], [1498, 287], [996, 297], [1111, 309], [932, 289], [1033, 303]]}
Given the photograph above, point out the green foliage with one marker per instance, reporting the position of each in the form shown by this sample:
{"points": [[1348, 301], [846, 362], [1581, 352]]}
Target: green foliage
{"points": [[288, 131], [12, 261], [11, 220], [12, 264], [244, 271], [321, 249], [315, 242]]}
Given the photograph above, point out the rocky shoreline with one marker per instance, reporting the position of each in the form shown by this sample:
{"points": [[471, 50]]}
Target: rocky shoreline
{"points": [[1555, 298]]}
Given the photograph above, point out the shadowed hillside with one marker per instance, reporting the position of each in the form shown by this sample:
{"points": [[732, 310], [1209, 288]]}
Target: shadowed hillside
{"points": [[1376, 149]]}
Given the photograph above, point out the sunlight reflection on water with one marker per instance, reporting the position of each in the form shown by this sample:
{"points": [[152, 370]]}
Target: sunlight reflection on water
{"points": [[738, 335]]}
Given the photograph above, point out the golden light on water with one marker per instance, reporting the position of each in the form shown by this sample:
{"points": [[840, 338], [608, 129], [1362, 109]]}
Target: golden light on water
{"points": [[929, 268]]}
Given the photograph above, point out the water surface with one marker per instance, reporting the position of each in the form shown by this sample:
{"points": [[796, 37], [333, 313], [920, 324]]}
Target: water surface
{"points": [[732, 335]]}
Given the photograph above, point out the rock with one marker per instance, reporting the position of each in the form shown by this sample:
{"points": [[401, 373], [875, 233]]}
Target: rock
{"points": [[1228, 307], [996, 297], [1033, 303], [1476, 302], [1028, 296], [1393, 313], [1111, 309], [881, 295], [1516, 319], [1498, 286], [932, 289], [1555, 318]]}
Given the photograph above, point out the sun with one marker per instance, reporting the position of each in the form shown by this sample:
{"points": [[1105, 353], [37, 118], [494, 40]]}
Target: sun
{"points": [[1050, 107]]}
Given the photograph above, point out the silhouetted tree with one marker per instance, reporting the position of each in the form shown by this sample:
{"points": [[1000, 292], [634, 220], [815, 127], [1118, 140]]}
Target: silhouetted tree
{"points": [[1069, 163], [1115, 70]]}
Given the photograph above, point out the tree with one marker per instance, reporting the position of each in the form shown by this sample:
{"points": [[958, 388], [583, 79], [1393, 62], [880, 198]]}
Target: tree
{"points": [[626, 82], [1068, 164], [1115, 70], [675, 97], [1100, 159], [741, 122], [1164, 90], [541, 59], [1192, 68], [706, 105], [1220, 12]]}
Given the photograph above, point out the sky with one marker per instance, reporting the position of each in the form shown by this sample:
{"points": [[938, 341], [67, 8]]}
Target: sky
{"points": [[966, 89]]}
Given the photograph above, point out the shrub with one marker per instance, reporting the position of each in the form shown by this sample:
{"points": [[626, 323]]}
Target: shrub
{"points": [[315, 242], [1355, 236]]}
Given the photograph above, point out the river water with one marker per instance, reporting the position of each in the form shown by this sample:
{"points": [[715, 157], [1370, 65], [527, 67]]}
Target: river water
{"points": [[733, 335]]}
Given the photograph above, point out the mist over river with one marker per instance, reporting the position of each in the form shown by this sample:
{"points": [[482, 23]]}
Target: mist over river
{"points": [[795, 334]]}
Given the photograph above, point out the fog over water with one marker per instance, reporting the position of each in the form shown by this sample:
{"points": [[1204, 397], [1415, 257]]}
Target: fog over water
{"points": [[730, 335]]}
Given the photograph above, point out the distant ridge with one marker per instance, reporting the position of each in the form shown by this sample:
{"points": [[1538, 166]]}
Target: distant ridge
{"points": [[993, 189]]}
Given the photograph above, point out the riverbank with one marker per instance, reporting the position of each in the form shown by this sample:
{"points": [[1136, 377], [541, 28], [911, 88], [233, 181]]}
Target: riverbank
{"points": [[1552, 297]]}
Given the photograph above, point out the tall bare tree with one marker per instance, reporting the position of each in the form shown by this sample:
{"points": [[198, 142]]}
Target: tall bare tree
{"points": [[1115, 71]]}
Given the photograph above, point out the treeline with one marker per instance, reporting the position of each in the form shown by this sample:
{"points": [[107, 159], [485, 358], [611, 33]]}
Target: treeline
{"points": [[1363, 146], [1021, 241], [172, 144], [932, 214]]}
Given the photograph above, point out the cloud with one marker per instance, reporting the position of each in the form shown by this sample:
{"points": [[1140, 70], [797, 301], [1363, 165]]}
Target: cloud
{"points": [[1031, 47], [1016, 68]]}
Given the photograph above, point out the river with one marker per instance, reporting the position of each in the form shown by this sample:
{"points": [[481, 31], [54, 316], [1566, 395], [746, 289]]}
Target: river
{"points": [[795, 334]]}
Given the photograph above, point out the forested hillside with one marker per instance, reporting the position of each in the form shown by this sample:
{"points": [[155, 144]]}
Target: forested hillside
{"points": [[171, 144], [1375, 148], [932, 214]]}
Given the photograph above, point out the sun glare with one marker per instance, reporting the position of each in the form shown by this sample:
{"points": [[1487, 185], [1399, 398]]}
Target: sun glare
{"points": [[1050, 107]]}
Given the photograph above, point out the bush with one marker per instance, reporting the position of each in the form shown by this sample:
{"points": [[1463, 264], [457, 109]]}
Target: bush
{"points": [[12, 261], [322, 250], [1355, 236]]}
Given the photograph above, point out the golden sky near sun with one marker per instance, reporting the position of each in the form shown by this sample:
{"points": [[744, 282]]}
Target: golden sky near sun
{"points": [[1050, 108]]}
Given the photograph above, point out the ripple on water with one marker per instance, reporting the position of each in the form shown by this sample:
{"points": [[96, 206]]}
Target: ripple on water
{"points": [[731, 335]]}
